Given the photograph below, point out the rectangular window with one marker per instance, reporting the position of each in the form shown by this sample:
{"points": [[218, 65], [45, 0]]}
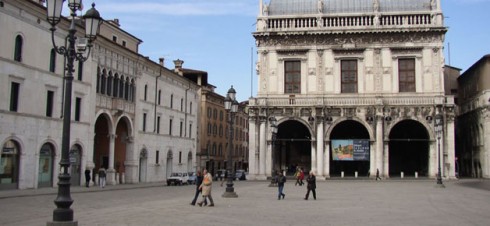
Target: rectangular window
{"points": [[49, 103], [52, 61], [80, 70], [144, 122], [349, 76], [157, 157], [406, 73], [181, 128], [190, 131], [114, 38], [158, 124], [180, 157], [292, 76], [14, 96], [78, 108], [124, 43], [170, 128], [159, 97]]}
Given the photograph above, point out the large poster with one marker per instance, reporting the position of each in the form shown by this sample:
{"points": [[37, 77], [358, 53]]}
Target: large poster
{"points": [[350, 150]]}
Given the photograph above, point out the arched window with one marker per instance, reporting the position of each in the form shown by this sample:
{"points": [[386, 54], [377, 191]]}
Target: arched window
{"points": [[98, 80], [116, 85], [126, 89], [52, 60], [103, 81], [80, 70], [19, 42], [159, 97], [121, 87], [146, 92], [109, 84]]}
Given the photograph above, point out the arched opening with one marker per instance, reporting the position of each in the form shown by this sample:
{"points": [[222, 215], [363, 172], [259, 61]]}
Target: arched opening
{"points": [[75, 164], [9, 165], [120, 147], [292, 147], [143, 165], [46, 159], [19, 43], [409, 149], [349, 149], [170, 158], [101, 143]]}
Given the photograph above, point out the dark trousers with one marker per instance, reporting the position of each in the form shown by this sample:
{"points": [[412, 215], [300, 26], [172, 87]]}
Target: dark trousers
{"points": [[308, 193], [280, 188], [196, 196]]}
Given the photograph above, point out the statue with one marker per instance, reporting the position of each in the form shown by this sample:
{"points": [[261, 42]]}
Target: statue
{"points": [[376, 6], [266, 10], [320, 6], [432, 4]]}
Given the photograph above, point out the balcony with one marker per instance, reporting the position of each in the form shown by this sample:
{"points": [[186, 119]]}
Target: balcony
{"points": [[116, 104]]}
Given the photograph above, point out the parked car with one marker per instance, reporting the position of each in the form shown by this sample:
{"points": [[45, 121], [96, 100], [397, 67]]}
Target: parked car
{"points": [[178, 179], [220, 175], [192, 178], [240, 175]]}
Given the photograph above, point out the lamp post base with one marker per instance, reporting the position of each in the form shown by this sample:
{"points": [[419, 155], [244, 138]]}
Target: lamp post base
{"points": [[229, 194], [62, 223]]}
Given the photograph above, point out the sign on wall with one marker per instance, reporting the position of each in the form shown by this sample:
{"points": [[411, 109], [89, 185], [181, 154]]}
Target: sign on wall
{"points": [[350, 150]]}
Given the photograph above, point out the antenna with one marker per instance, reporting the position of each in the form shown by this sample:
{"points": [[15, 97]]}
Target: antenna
{"points": [[449, 53]]}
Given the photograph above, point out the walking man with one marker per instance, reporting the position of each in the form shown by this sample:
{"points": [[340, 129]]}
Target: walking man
{"points": [[377, 174], [281, 179], [199, 179], [102, 176], [311, 180], [87, 178]]}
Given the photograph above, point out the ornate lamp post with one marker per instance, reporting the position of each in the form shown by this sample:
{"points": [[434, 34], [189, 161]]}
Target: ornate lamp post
{"points": [[231, 106], [63, 214], [273, 122], [438, 129]]}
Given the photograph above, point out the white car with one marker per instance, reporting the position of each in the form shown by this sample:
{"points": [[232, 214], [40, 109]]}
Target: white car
{"points": [[177, 179]]}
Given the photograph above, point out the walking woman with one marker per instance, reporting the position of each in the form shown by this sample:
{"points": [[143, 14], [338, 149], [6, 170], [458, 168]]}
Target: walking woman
{"points": [[199, 178], [206, 188], [311, 180]]}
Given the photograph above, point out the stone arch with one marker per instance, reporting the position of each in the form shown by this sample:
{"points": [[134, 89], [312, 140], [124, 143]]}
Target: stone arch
{"points": [[343, 119]]}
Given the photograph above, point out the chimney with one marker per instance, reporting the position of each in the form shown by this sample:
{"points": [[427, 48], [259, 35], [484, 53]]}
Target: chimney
{"points": [[162, 60], [178, 66]]}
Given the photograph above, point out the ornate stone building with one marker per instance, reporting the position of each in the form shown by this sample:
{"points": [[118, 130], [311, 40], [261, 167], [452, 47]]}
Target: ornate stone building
{"points": [[130, 115], [474, 120], [354, 87]]}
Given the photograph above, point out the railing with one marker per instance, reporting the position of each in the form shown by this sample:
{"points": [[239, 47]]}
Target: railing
{"points": [[340, 100], [343, 22], [112, 103]]}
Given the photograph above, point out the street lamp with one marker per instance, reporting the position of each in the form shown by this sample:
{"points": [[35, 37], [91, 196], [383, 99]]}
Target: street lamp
{"points": [[231, 106], [273, 122], [63, 214], [438, 120]]}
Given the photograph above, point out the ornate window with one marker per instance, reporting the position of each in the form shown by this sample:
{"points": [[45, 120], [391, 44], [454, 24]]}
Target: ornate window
{"points": [[406, 75], [292, 74], [19, 42], [349, 76]]}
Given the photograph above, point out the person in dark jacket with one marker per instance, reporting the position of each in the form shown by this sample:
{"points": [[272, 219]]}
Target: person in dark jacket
{"points": [[311, 180], [281, 179], [199, 178], [87, 178]]}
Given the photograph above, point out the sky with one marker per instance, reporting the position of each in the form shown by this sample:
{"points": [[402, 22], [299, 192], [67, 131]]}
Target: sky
{"points": [[216, 35]]}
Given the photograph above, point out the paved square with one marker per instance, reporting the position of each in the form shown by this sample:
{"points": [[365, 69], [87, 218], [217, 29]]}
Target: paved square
{"points": [[339, 202]]}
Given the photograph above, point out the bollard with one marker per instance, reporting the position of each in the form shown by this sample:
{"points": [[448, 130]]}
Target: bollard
{"points": [[117, 178], [355, 174], [96, 180], [416, 175], [123, 179], [402, 174], [342, 174]]}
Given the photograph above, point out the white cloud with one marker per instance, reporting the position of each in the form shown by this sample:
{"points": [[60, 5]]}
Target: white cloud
{"points": [[180, 7]]}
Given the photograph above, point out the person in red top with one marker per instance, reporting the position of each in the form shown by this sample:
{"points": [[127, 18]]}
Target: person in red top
{"points": [[301, 177]]}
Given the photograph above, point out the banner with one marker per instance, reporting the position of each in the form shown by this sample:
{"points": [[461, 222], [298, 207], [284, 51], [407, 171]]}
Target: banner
{"points": [[350, 150]]}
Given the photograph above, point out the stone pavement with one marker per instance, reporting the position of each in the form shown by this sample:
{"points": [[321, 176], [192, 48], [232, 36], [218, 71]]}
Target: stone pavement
{"points": [[339, 202]]}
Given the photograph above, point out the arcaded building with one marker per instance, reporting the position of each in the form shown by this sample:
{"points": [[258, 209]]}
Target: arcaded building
{"points": [[474, 120], [130, 115], [354, 88]]}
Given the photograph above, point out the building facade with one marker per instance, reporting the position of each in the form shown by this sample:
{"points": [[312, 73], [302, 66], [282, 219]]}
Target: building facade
{"points": [[473, 155], [354, 86], [130, 115]]}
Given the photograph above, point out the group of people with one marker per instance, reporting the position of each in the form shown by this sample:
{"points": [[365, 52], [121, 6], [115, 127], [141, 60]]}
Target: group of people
{"points": [[204, 183], [102, 177], [310, 180]]}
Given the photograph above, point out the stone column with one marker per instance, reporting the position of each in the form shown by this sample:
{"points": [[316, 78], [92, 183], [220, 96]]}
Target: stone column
{"points": [[379, 147], [386, 160], [449, 152], [268, 159], [252, 148], [319, 145], [111, 176], [313, 156], [433, 158], [262, 149], [326, 168], [485, 156]]}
